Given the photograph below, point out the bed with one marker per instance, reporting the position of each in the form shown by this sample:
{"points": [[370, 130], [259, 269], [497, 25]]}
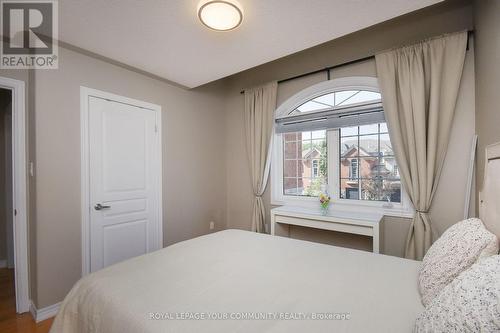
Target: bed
{"points": [[234, 273], [238, 281]]}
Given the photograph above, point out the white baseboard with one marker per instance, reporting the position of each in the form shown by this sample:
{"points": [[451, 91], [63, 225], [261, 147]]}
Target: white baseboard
{"points": [[44, 313], [3, 263]]}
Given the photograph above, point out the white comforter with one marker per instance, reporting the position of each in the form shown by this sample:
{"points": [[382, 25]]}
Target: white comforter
{"points": [[237, 273]]}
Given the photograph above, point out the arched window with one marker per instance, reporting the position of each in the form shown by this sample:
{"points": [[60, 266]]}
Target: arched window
{"points": [[332, 137]]}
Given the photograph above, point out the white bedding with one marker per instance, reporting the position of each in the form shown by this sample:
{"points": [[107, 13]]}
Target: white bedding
{"points": [[233, 272]]}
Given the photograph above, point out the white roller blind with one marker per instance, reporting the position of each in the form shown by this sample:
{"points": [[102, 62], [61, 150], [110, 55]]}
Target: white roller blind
{"points": [[332, 118]]}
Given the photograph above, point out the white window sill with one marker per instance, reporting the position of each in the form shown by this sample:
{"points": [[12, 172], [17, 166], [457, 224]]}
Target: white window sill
{"points": [[398, 210]]}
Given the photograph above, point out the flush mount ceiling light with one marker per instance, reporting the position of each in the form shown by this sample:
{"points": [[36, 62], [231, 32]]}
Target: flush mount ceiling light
{"points": [[220, 15]]}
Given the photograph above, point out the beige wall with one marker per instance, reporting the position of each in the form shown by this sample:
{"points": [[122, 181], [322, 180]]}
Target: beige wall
{"points": [[487, 36], [193, 161], [447, 17]]}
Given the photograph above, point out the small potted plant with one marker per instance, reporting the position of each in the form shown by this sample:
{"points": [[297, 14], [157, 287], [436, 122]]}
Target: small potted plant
{"points": [[324, 201]]}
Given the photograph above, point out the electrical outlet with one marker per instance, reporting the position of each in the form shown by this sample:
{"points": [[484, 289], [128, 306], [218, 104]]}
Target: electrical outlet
{"points": [[212, 225]]}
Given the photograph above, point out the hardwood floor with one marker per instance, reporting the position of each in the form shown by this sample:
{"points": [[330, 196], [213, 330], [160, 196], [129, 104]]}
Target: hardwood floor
{"points": [[10, 322]]}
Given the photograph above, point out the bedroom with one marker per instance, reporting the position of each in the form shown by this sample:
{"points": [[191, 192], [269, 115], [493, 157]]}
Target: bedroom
{"points": [[206, 184]]}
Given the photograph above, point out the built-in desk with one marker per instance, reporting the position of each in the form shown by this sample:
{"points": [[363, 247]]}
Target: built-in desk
{"points": [[359, 223]]}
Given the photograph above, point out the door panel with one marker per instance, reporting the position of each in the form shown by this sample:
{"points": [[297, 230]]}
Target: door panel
{"points": [[126, 207], [124, 240], [124, 143], [122, 168]]}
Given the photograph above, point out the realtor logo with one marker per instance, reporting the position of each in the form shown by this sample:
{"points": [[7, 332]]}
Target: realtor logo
{"points": [[29, 34]]}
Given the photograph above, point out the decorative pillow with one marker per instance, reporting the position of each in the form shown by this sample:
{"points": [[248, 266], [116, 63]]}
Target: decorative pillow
{"points": [[470, 303], [456, 250]]}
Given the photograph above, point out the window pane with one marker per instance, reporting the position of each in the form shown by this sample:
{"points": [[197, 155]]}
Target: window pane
{"points": [[305, 167], [305, 164], [377, 168], [349, 131], [305, 149], [371, 189], [345, 167], [302, 183], [291, 150], [383, 128], [313, 186], [318, 134], [368, 145], [318, 145], [368, 129], [343, 97], [380, 189], [290, 186], [392, 191], [368, 167], [385, 145], [290, 168], [370, 171], [327, 100], [313, 148], [353, 97], [337, 100], [349, 189], [349, 146], [304, 136], [290, 137], [391, 169], [323, 166], [311, 106]]}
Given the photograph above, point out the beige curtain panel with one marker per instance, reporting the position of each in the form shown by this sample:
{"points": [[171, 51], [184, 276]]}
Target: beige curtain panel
{"points": [[419, 86], [260, 103]]}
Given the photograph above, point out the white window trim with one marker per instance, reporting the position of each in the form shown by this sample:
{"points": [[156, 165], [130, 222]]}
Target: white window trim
{"points": [[403, 209]]}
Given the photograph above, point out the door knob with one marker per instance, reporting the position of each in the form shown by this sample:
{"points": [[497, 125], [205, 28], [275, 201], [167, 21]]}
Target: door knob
{"points": [[99, 207]]}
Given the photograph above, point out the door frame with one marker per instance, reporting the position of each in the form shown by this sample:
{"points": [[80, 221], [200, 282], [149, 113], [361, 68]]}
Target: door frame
{"points": [[85, 94], [19, 188]]}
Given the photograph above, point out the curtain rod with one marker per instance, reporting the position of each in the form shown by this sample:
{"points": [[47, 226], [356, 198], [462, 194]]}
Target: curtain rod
{"points": [[328, 69]]}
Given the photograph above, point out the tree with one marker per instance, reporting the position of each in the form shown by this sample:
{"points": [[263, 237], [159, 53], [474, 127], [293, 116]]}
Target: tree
{"points": [[378, 189]]}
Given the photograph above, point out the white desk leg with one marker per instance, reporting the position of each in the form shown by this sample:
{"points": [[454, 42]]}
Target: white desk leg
{"points": [[279, 229], [376, 238]]}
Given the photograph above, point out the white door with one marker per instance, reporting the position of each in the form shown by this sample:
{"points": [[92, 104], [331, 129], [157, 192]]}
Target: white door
{"points": [[123, 181]]}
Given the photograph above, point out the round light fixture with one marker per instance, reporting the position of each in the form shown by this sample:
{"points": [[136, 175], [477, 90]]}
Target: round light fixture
{"points": [[220, 15]]}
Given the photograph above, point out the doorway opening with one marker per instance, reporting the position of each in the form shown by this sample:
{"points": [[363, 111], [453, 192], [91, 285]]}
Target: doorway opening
{"points": [[7, 273], [13, 198]]}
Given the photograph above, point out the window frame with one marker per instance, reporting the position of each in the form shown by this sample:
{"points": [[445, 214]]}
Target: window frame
{"points": [[402, 209]]}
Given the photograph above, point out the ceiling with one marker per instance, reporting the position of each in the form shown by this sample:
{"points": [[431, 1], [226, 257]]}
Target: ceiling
{"points": [[165, 38]]}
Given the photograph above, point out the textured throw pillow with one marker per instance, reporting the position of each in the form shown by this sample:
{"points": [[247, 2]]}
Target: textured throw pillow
{"points": [[456, 250], [470, 303]]}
